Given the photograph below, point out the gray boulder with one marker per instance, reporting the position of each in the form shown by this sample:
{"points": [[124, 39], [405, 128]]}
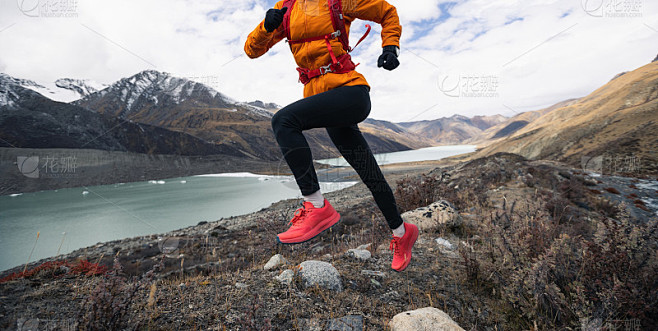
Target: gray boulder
{"points": [[320, 273]]}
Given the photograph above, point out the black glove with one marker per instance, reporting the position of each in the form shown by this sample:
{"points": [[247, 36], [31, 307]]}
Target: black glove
{"points": [[273, 18], [389, 58]]}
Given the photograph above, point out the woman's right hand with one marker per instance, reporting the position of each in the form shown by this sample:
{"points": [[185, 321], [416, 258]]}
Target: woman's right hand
{"points": [[273, 18]]}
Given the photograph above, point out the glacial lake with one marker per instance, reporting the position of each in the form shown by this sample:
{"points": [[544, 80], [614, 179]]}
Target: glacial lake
{"points": [[72, 218]]}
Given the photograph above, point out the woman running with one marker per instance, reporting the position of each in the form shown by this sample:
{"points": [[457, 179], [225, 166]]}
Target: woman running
{"points": [[336, 97]]}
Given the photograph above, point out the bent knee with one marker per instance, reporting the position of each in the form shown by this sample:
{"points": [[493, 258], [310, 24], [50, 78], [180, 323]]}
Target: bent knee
{"points": [[283, 119]]}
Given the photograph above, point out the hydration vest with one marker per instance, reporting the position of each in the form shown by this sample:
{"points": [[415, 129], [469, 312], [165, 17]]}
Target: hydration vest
{"points": [[339, 65]]}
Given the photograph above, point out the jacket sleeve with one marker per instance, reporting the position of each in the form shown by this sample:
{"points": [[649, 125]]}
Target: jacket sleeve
{"points": [[260, 41], [378, 11]]}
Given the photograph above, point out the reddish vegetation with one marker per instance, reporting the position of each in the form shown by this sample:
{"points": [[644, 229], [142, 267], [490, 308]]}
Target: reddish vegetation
{"points": [[632, 196], [643, 207], [595, 191], [612, 190], [59, 269], [632, 186]]}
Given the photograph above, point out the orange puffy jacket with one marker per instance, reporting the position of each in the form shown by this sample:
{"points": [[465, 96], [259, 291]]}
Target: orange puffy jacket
{"points": [[311, 18]]}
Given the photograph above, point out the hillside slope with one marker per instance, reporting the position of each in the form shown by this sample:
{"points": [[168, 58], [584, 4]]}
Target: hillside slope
{"points": [[617, 121]]}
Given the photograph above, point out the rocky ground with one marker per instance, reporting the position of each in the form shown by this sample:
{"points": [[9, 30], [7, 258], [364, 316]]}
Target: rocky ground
{"points": [[213, 275]]}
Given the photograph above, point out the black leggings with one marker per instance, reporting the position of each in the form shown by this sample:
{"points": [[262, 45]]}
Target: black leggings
{"points": [[338, 110]]}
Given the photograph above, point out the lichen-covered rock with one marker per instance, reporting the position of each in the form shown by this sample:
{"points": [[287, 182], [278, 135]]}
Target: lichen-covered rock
{"points": [[320, 273], [428, 318], [432, 216]]}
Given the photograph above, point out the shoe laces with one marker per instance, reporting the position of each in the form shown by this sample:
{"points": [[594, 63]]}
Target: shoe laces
{"points": [[300, 214], [395, 245]]}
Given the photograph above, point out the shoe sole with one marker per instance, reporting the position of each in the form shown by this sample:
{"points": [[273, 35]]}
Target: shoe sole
{"points": [[334, 219], [410, 254]]}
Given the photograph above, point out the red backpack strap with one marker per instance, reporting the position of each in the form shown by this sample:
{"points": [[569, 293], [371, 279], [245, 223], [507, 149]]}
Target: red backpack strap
{"points": [[286, 17], [336, 9]]}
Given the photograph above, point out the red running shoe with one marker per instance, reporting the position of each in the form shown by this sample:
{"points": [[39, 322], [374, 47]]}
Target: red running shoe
{"points": [[309, 222], [401, 247]]}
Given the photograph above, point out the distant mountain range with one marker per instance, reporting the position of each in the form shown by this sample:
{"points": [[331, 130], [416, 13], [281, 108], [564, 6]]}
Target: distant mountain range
{"points": [[456, 129], [155, 112], [171, 106]]}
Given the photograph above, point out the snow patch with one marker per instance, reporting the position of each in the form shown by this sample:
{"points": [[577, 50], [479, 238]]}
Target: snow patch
{"points": [[648, 185], [651, 204]]}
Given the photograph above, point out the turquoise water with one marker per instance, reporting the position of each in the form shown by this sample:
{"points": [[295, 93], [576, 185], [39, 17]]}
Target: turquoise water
{"points": [[81, 217]]}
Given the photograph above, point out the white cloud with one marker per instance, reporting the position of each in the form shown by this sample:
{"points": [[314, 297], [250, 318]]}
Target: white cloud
{"points": [[537, 55]]}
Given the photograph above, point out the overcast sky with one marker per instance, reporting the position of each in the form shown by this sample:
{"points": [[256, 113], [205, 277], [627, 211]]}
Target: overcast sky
{"points": [[475, 57]]}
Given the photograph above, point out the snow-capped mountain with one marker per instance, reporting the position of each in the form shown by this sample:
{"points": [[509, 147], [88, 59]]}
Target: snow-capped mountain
{"points": [[62, 90], [152, 88]]}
